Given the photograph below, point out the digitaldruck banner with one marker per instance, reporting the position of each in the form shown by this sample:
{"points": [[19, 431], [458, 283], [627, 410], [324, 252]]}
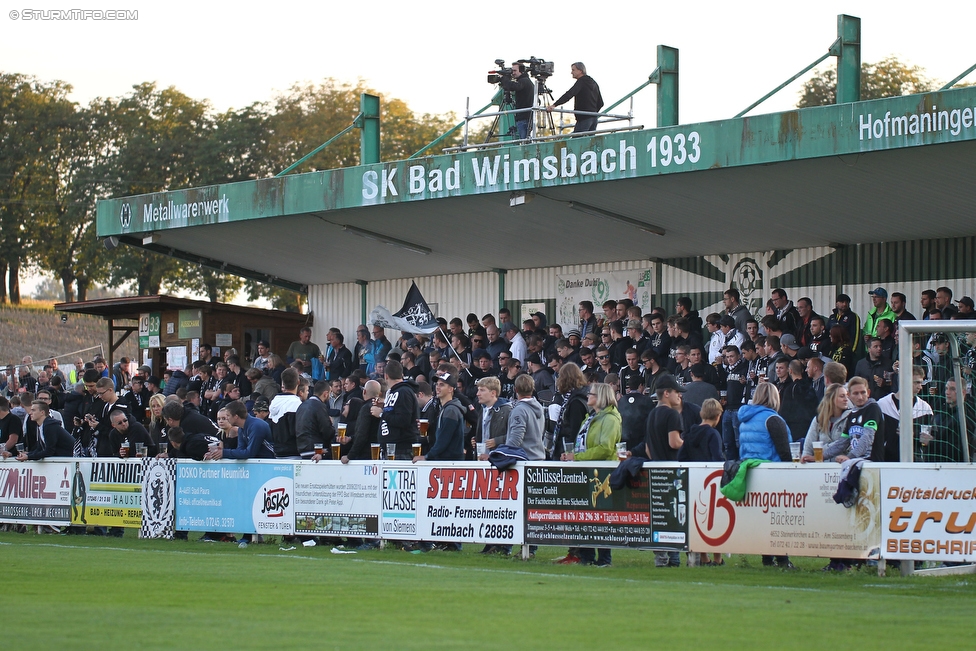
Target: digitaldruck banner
{"points": [[334, 499], [573, 504], [928, 513], [471, 502], [254, 496], [787, 510], [35, 492], [599, 287]]}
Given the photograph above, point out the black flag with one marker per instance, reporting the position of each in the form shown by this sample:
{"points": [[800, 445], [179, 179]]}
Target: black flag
{"points": [[414, 317]]}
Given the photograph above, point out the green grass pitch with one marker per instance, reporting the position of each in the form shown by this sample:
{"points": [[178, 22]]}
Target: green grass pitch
{"points": [[72, 592]]}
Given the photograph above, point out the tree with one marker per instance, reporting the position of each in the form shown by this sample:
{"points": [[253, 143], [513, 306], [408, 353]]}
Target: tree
{"points": [[886, 78], [38, 141], [155, 140]]}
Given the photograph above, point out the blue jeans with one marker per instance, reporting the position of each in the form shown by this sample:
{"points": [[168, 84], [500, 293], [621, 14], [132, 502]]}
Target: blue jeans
{"points": [[585, 124], [524, 127], [729, 445]]}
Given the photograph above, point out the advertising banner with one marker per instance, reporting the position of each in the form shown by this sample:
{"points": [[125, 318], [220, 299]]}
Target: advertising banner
{"points": [[669, 507], [599, 287], [787, 509], [35, 492], [471, 503], [159, 498], [334, 499], [107, 493], [253, 496], [928, 513], [398, 519], [573, 505]]}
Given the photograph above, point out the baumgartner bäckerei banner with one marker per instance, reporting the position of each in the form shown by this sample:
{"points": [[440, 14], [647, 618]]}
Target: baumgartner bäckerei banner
{"points": [[470, 502], [787, 509], [335, 499], [252, 496], [928, 513], [107, 493], [35, 492]]}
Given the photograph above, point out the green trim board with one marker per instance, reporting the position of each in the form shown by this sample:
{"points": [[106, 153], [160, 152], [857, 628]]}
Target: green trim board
{"points": [[876, 125]]}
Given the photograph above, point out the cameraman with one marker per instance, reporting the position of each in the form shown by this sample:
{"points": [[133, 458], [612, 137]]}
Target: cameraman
{"points": [[524, 90], [588, 98]]}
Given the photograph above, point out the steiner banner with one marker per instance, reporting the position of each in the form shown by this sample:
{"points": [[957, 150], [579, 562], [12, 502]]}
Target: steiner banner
{"points": [[35, 492], [107, 493], [253, 496], [470, 503], [788, 509], [573, 504], [599, 287], [928, 513], [334, 499]]}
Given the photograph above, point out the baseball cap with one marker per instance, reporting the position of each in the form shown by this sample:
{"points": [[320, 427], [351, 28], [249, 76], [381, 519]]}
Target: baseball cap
{"points": [[261, 404], [413, 341], [789, 341], [667, 382], [535, 358], [264, 342], [634, 323], [879, 291], [843, 298], [968, 302], [446, 378]]}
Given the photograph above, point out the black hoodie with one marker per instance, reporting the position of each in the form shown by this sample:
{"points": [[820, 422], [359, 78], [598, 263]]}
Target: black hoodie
{"points": [[400, 414]]}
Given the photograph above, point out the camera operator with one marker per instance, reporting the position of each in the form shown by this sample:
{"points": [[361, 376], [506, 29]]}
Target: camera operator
{"points": [[524, 90], [588, 98]]}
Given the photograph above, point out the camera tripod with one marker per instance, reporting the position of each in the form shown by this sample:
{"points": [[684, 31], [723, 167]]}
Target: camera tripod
{"points": [[545, 125], [508, 104]]}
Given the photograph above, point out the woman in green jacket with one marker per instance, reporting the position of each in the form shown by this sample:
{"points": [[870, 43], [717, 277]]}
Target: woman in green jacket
{"points": [[597, 441]]}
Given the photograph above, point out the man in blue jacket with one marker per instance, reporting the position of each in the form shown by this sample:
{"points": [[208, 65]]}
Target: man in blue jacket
{"points": [[253, 436]]}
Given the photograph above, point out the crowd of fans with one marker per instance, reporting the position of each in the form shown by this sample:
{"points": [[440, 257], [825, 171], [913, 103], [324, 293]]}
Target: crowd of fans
{"points": [[658, 386]]}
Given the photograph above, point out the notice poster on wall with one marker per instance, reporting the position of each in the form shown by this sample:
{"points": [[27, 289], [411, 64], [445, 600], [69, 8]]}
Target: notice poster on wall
{"points": [[574, 505], [335, 499], [598, 287]]}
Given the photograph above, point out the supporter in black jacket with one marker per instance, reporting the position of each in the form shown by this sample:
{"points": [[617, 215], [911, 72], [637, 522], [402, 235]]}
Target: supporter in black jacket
{"points": [[400, 412], [53, 440]]}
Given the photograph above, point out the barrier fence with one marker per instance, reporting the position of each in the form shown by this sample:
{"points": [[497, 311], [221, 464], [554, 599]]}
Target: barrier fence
{"points": [[903, 511]]}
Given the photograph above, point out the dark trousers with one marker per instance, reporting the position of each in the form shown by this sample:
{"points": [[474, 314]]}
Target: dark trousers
{"points": [[585, 124]]}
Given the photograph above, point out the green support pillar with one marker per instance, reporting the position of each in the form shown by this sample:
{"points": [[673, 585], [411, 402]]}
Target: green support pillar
{"points": [[362, 301], [369, 140], [667, 86], [849, 61], [501, 286]]}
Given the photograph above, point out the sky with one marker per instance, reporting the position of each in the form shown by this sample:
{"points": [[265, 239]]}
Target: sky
{"points": [[434, 55]]}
